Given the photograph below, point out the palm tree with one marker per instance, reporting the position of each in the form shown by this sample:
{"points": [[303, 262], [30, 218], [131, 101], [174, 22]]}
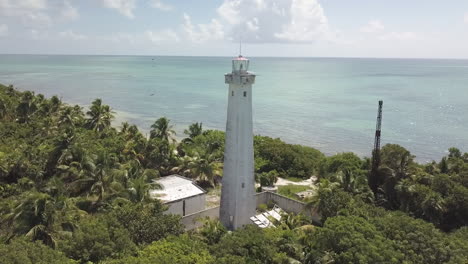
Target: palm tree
{"points": [[124, 129], [193, 131], [162, 129], [133, 131], [351, 181], [100, 116], [74, 165], [70, 117], [102, 183], [324, 188], [212, 230], [183, 166], [205, 168], [3, 108], [433, 207], [55, 104], [292, 221], [140, 187], [92, 175], [26, 107], [42, 217], [60, 144], [65, 118], [406, 190]]}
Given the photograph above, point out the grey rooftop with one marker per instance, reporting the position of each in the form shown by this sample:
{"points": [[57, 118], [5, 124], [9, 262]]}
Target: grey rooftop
{"points": [[175, 187]]}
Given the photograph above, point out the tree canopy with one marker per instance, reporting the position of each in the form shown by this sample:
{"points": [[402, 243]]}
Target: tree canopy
{"points": [[74, 189]]}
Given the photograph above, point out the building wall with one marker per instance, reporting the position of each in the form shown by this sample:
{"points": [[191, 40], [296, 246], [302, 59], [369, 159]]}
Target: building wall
{"points": [[285, 203], [192, 221], [192, 205], [195, 204]]}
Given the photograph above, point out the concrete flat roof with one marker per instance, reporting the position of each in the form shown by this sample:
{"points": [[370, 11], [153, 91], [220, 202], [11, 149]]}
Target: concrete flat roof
{"points": [[175, 187]]}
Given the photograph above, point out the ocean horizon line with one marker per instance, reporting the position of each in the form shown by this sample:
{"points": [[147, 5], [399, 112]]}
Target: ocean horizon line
{"points": [[227, 56]]}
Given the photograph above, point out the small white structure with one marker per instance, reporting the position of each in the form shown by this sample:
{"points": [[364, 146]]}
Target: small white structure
{"points": [[265, 219], [181, 195], [305, 194], [272, 189], [238, 183]]}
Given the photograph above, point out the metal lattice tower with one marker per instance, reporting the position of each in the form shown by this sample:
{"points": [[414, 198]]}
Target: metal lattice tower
{"points": [[378, 128], [373, 177]]}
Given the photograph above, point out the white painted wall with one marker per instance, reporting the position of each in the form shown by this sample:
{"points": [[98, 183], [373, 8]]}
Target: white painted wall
{"points": [[192, 205], [238, 183]]}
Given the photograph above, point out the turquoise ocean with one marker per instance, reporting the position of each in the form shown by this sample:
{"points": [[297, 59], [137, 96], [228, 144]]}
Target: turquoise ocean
{"points": [[326, 103]]}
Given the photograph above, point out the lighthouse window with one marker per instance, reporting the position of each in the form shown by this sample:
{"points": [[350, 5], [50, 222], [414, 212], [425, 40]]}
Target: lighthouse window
{"points": [[232, 93], [243, 185], [245, 94]]}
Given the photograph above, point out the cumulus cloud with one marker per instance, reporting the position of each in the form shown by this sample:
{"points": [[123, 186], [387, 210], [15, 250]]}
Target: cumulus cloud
{"points": [[3, 30], [11, 5], [29, 12], [377, 29], [164, 36], [120, 37], [399, 36], [72, 35], [38, 34], [292, 21], [36, 19], [125, 7], [160, 5], [200, 33], [373, 26], [69, 12]]}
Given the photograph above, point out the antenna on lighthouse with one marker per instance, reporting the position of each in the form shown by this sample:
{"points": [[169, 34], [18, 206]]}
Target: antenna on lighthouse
{"points": [[240, 46]]}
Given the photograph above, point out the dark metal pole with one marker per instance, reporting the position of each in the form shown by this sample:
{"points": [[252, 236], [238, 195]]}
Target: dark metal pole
{"points": [[373, 177]]}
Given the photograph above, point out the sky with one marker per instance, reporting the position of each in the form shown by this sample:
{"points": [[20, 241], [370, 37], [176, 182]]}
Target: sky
{"points": [[277, 28]]}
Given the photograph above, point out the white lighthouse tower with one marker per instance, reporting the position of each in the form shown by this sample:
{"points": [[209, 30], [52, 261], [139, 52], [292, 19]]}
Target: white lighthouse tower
{"points": [[238, 184]]}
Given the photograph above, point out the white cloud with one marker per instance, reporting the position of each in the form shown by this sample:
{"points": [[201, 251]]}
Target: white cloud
{"points": [[9, 5], [36, 19], [29, 12], [203, 32], [373, 26], [125, 7], [160, 5], [400, 36], [121, 37], [307, 23], [293, 21], [72, 35], [69, 12], [252, 25], [149, 36], [38, 34], [164, 36], [377, 29], [3, 30]]}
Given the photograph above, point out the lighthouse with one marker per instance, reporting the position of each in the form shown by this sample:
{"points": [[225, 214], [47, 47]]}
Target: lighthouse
{"points": [[238, 201]]}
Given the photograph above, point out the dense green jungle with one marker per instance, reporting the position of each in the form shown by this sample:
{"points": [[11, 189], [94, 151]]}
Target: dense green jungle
{"points": [[74, 189]]}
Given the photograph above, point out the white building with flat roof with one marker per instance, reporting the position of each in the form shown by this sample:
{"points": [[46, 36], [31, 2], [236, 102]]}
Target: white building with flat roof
{"points": [[180, 194]]}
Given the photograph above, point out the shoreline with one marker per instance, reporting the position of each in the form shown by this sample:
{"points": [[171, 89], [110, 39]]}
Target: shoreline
{"points": [[125, 116]]}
